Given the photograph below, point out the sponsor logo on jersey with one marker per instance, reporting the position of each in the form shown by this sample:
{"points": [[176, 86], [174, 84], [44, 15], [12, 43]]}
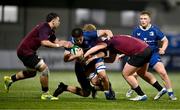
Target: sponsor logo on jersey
{"points": [[145, 39], [151, 33]]}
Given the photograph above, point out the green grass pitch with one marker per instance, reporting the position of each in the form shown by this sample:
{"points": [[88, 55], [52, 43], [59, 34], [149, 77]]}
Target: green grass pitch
{"points": [[26, 95]]}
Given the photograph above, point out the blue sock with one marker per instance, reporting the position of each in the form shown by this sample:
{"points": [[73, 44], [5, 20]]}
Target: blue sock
{"points": [[170, 92]]}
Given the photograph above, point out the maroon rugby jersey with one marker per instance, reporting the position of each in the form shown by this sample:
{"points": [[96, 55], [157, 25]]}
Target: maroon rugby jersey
{"points": [[32, 41], [126, 45]]}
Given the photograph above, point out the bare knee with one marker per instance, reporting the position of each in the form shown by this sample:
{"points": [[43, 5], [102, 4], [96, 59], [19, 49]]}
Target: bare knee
{"points": [[41, 66]]}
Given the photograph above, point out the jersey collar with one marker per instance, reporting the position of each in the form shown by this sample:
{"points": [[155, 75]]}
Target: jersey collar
{"points": [[147, 28]]}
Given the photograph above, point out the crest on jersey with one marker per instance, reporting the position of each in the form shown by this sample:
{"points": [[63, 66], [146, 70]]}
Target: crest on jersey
{"points": [[151, 33]]}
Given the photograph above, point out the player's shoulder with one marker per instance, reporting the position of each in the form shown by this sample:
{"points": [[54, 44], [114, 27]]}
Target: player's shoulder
{"points": [[86, 33], [136, 27], [43, 26], [155, 27]]}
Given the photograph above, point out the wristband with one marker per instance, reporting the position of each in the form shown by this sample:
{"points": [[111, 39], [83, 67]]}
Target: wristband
{"points": [[57, 45], [95, 56]]}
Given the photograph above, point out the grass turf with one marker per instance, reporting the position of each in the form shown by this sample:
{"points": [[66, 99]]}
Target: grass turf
{"points": [[26, 95]]}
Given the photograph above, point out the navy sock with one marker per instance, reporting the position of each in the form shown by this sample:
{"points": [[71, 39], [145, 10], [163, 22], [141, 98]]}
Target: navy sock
{"points": [[138, 91], [157, 86], [45, 89], [13, 78]]}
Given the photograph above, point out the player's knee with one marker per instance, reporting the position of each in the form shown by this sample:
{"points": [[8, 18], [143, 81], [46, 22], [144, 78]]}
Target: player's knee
{"points": [[163, 74], [93, 78], [45, 72], [95, 81], [82, 92], [86, 93], [125, 73], [41, 66], [33, 73], [101, 68]]}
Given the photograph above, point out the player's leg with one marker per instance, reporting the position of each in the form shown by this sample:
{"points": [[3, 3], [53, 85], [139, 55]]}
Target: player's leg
{"points": [[148, 77], [8, 80], [29, 61], [101, 73], [43, 68], [104, 80], [135, 63], [128, 72], [85, 89], [130, 91], [72, 89], [96, 84], [159, 67]]}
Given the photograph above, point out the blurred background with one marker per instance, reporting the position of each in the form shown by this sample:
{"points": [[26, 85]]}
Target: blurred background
{"points": [[18, 17]]}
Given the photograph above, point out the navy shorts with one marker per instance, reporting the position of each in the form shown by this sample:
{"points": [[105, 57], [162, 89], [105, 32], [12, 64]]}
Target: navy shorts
{"points": [[29, 61], [154, 59], [141, 58]]}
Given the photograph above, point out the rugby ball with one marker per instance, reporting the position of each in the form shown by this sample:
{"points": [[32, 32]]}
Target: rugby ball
{"points": [[74, 49]]}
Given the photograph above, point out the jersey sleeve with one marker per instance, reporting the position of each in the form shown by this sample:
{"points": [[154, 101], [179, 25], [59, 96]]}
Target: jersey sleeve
{"points": [[159, 33], [43, 33], [90, 34], [134, 32]]}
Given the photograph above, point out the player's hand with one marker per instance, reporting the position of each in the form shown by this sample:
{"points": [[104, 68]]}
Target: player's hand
{"points": [[63, 43], [119, 57], [90, 58], [68, 44], [79, 52], [161, 51]]}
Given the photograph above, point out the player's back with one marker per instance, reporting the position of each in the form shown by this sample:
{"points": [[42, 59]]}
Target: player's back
{"points": [[32, 41], [126, 45]]}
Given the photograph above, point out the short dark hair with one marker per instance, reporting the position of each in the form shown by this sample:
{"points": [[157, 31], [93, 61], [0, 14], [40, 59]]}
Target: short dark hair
{"points": [[77, 32], [145, 13], [51, 16]]}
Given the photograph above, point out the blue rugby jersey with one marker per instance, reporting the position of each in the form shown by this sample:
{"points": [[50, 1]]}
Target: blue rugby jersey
{"points": [[151, 35], [90, 38]]}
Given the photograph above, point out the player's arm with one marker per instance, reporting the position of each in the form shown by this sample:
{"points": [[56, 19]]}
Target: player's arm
{"points": [[50, 44], [51, 41], [93, 57], [95, 49], [110, 58], [56, 43], [70, 57], [105, 33], [64, 43], [164, 43]]}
